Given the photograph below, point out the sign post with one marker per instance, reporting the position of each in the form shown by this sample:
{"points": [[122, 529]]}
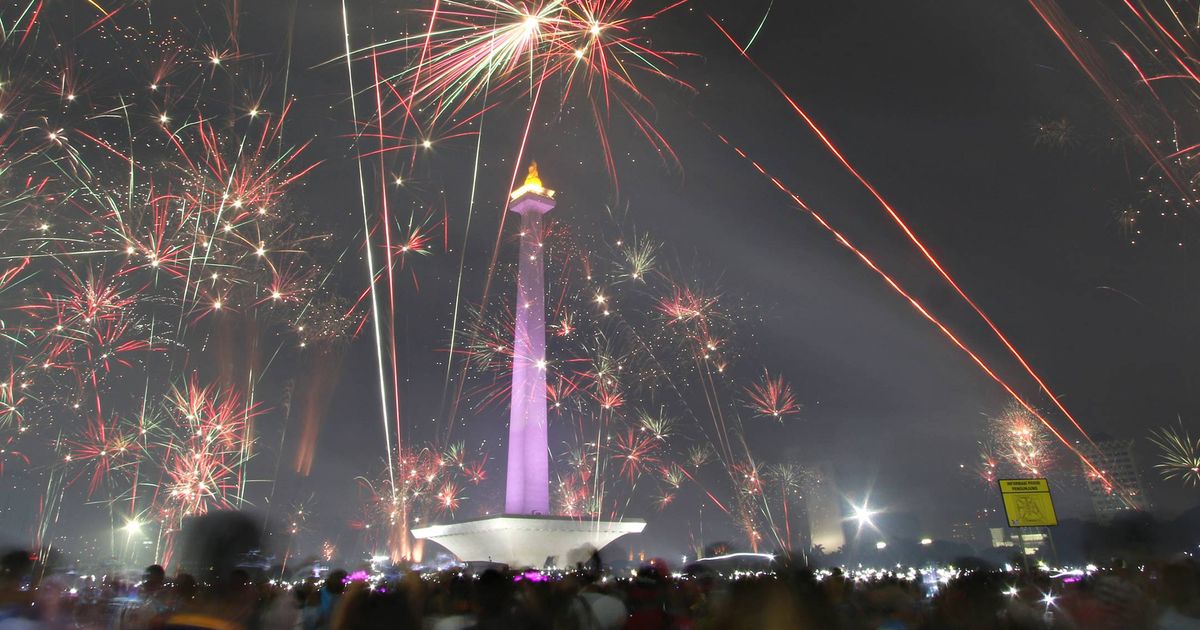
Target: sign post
{"points": [[1027, 503]]}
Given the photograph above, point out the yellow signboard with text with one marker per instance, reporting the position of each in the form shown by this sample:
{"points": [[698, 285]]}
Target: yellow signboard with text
{"points": [[1027, 503]]}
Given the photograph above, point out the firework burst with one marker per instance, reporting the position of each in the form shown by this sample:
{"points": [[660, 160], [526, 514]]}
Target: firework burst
{"points": [[772, 397], [1019, 440], [153, 264], [1179, 454]]}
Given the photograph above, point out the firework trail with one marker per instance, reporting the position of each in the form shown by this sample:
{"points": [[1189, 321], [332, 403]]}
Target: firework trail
{"points": [[924, 312], [1091, 62], [919, 244], [376, 321]]}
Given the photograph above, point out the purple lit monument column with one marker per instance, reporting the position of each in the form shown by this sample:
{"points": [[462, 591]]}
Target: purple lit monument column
{"points": [[526, 534], [528, 487]]}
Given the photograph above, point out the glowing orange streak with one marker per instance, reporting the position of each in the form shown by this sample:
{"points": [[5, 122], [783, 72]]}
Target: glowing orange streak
{"points": [[918, 243], [842, 240], [98, 7], [1185, 67]]}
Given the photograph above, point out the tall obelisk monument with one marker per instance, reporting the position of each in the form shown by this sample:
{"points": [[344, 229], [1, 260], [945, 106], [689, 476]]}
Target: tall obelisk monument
{"points": [[526, 534], [528, 486]]}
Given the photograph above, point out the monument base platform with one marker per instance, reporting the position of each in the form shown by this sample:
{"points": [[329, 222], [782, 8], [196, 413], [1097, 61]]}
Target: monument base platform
{"points": [[521, 540]]}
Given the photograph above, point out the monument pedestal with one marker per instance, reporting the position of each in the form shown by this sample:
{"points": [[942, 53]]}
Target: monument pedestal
{"points": [[521, 540]]}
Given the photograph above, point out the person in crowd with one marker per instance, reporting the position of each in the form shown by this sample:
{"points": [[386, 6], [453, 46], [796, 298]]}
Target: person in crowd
{"points": [[16, 605], [595, 609], [327, 599], [151, 603]]}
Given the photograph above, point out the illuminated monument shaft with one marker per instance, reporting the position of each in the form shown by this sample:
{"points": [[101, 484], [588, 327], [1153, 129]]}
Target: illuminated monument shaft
{"points": [[528, 488], [518, 536]]}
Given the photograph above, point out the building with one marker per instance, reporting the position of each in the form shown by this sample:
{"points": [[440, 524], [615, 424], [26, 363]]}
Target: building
{"points": [[1118, 488], [971, 532], [1027, 540], [823, 507]]}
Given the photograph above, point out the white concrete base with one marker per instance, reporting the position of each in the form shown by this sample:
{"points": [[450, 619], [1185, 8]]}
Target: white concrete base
{"points": [[527, 541]]}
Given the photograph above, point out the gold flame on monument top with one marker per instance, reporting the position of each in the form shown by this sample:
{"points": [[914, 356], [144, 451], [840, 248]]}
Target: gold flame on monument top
{"points": [[533, 184]]}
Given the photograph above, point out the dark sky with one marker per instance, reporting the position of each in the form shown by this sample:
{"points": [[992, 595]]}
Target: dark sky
{"points": [[937, 104]]}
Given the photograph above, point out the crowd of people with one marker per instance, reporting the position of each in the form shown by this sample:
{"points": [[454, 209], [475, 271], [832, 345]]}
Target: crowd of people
{"points": [[1165, 596]]}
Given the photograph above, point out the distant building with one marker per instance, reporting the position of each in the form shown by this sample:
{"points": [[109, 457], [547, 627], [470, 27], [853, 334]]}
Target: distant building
{"points": [[1120, 489], [1026, 540], [965, 532], [823, 506]]}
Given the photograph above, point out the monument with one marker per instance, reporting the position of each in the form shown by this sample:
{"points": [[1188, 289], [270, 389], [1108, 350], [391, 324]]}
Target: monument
{"points": [[527, 534]]}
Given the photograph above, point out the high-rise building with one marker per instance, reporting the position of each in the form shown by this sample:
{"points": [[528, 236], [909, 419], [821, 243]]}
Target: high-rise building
{"points": [[823, 506], [973, 531], [1118, 488]]}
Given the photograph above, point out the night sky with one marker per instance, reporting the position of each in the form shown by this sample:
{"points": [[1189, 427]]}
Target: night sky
{"points": [[937, 104]]}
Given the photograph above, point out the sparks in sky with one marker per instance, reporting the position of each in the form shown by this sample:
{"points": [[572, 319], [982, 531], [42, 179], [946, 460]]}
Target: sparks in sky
{"points": [[1179, 454], [772, 397]]}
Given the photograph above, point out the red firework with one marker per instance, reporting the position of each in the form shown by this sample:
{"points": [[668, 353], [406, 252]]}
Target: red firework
{"points": [[637, 453], [685, 305], [8, 453], [772, 397], [103, 447]]}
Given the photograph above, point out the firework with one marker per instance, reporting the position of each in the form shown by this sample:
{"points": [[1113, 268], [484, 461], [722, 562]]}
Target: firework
{"points": [[658, 426], [103, 448], [430, 483], [639, 258], [1020, 441], [153, 265], [9, 454], [772, 397], [1179, 454], [637, 454], [591, 51]]}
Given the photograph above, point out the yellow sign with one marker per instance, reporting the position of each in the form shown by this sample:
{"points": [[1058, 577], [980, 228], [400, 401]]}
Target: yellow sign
{"points": [[1027, 503]]}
